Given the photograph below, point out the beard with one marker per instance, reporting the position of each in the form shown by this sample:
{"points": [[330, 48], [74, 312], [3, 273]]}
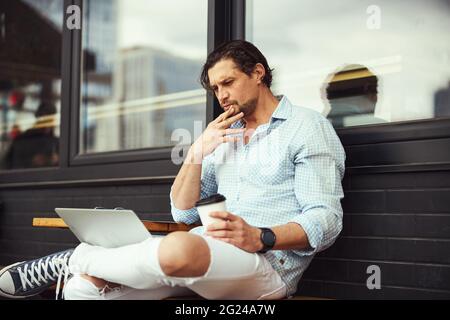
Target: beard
{"points": [[247, 107]]}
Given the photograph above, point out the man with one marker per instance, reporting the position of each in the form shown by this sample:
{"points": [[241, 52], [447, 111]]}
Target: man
{"points": [[280, 168]]}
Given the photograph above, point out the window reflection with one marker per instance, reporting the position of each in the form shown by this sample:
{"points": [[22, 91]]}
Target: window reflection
{"points": [[350, 96], [442, 102], [141, 80], [405, 45], [30, 66]]}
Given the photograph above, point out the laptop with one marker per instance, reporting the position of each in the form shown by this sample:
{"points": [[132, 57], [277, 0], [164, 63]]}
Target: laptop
{"points": [[108, 228]]}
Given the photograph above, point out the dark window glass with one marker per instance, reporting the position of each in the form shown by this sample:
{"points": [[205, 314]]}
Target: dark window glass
{"points": [[30, 82]]}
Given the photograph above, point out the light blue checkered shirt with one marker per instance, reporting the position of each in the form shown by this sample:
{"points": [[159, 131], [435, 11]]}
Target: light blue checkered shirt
{"points": [[290, 171]]}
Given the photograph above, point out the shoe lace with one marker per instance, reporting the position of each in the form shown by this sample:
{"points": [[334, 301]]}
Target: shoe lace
{"points": [[42, 271], [63, 263]]}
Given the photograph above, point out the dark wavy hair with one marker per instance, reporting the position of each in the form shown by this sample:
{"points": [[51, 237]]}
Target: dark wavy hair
{"points": [[243, 53]]}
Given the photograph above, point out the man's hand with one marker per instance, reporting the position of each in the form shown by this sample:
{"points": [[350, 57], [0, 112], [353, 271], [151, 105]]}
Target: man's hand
{"points": [[234, 230], [214, 135]]}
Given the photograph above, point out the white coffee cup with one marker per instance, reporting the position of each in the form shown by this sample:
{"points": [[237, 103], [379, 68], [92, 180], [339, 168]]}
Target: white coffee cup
{"points": [[215, 202]]}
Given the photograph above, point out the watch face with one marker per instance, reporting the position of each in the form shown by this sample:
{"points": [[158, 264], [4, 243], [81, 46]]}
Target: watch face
{"points": [[268, 238]]}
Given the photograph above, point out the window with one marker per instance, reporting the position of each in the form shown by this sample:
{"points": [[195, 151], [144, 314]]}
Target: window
{"points": [[141, 64], [356, 62], [30, 83]]}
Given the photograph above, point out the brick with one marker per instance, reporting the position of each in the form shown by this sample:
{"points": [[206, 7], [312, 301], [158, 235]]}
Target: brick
{"points": [[418, 201], [364, 201]]}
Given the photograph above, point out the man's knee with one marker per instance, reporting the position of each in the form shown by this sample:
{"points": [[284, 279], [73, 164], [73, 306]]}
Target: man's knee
{"points": [[182, 254]]}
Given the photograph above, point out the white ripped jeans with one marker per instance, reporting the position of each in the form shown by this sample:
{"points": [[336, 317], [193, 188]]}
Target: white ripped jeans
{"points": [[232, 274]]}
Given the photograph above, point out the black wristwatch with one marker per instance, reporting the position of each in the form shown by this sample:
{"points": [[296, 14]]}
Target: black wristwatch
{"points": [[268, 239]]}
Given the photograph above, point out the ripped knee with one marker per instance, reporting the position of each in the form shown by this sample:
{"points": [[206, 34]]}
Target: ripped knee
{"points": [[182, 254]]}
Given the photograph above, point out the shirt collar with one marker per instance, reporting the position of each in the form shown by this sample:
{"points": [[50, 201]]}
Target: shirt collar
{"points": [[282, 112], [283, 109]]}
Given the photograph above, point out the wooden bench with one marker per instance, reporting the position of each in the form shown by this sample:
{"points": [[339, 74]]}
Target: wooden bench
{"points": [[153, 226]]}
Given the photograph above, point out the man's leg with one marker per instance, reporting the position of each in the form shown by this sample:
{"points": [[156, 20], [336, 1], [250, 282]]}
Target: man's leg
{"points": [[82, 287], [210, 267], [237, 274], [147, 265]]}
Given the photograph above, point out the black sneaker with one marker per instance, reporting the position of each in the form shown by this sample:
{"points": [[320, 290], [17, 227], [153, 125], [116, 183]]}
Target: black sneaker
{"points": [[29, 278]]}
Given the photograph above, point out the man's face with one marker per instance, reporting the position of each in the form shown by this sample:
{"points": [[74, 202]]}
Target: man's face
{"points": [[233, 87]]}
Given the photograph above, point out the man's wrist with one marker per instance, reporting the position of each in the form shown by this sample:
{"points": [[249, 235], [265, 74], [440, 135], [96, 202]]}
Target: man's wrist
{"points": [[259, 244], [193, 157]]}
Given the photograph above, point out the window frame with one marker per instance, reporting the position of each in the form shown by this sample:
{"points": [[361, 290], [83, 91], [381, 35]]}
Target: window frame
{"points": [[116, 156]]}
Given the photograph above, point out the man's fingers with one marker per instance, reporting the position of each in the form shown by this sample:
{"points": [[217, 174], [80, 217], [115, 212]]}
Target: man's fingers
{"points": [[224, 115], [220, 234], [231, 131], [222, 225], [228, 122], [223, 215], [234, 131], [230, 139]]}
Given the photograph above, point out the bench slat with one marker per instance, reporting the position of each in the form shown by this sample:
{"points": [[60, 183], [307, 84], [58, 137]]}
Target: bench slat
{"points": [[154, 226]]}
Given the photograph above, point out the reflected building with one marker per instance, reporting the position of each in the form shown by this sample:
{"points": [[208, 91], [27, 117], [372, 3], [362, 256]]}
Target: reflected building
{"points": [[100, 43], [154, 90], [101, 30], [442, 102]]}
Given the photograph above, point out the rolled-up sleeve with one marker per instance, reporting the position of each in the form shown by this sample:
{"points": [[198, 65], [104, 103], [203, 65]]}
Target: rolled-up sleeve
{"points": [[208, 186], [319, 169]]}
